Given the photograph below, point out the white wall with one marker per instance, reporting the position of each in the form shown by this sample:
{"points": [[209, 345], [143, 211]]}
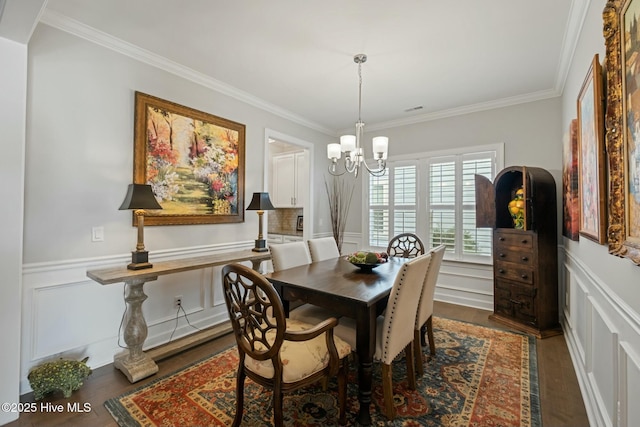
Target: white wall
{"points": [[600, 296], [13, 85]]}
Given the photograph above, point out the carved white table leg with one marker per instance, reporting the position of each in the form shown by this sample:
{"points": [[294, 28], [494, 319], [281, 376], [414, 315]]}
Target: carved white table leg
{"points": [[133, 362]]}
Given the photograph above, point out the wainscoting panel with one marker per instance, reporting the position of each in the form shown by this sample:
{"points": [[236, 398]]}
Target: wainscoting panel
{"points": [[602, 364], [466, 284], [603, 337], [629, 386], [66, 314], [578, 304], [60, 315]]}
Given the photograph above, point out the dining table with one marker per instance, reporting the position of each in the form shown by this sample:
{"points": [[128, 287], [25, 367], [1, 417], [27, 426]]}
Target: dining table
{"points": [[346, 290]]}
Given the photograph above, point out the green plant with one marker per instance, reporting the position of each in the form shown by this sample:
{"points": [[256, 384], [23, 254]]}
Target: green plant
{"points": [[447, 238]]}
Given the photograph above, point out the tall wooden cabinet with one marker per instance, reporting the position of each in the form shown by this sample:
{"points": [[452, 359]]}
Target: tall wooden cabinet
{"points": [[525, 260]]}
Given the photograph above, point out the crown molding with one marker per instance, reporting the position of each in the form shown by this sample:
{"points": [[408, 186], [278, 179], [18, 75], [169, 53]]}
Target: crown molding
{"points": [[466, 109], [577, 16], [78, 29]]}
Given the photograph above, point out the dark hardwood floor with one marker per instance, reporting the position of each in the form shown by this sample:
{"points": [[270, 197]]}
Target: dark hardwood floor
{"points": [[560, 397]]}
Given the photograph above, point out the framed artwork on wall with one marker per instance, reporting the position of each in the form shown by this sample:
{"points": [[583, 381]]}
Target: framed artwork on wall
{"points": [[591, 158], [194, 161], [570, 195], [623, 126]]}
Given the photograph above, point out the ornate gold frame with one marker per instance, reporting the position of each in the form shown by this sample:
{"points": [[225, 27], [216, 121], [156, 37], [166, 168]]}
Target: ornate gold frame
{"points": [[620, 243], [151, 114]]}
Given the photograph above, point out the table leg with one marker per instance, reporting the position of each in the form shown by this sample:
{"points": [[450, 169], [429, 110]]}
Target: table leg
{"points": [[134, 363], [255, 264], [365, 347]]}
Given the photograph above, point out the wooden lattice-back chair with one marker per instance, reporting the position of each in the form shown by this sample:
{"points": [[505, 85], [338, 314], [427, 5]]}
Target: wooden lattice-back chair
{"points": [[392, 332], [424, 319], [265, 338], [405, 245]]}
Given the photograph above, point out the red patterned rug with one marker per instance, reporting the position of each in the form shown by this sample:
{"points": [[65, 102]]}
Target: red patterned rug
{"points": [[479, 377]]}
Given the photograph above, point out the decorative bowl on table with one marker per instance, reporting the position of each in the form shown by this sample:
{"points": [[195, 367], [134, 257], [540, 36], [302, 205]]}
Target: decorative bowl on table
{"points": [[367, 261]]}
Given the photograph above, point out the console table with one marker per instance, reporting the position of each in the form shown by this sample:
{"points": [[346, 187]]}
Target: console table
{"points": [[135, 363]]}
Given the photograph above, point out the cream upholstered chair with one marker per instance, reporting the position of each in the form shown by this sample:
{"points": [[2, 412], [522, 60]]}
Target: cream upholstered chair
{"points": [[424, 319], [275, 352], [323, 248], [289, 255], [392, 333], [406, 245], [294, 254]]}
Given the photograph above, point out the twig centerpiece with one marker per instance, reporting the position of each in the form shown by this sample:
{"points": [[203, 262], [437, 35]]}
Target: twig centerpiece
{"points": [[340, 193]]}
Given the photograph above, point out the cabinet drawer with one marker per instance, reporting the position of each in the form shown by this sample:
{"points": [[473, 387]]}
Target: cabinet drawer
{"points": [[519, 240], [523, 258], [515, 272]]}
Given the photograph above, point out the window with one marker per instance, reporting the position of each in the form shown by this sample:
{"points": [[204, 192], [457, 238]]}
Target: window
{"points": [[388, 219], [434, 197]]}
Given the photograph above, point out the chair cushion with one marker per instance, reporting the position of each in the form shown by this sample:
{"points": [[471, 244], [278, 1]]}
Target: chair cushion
{"points": [[346, 330], [299, 359], [312, 314]]}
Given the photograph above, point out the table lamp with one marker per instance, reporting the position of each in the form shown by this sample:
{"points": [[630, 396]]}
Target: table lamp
{"points": [[260, 202], [140, 197]]}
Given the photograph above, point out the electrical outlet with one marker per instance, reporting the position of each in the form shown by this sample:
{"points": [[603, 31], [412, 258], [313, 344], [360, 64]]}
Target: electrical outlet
{"points": [[177, 301]]}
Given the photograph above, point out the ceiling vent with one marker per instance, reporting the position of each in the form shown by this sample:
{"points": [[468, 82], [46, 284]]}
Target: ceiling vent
{"points": [[408, 110]]}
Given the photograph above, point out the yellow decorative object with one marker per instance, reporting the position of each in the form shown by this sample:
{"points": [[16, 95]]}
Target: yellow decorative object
{"points": [[516, 209]]}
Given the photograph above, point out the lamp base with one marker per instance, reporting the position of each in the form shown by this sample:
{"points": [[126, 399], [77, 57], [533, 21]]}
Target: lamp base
{"points": [[261, 246], [139, 260]]}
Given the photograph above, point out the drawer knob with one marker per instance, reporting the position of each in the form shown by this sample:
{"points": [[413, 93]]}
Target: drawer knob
{"points": [[524, 258], [524, 276], [501, 255], [501, 239], [501, 271], [524, 240]]}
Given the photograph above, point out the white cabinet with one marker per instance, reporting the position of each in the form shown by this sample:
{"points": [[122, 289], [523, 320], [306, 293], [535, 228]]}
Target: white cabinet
{"points": [[290, 180], [282, 238]]}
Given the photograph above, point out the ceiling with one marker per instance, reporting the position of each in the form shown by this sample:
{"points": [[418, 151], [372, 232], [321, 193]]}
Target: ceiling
{"points": [[295, 57]]}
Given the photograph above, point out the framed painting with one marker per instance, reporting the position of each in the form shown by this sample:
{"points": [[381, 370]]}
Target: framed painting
{"points": [[194, 161], [622, 44], [570, 195], [591, 158]]}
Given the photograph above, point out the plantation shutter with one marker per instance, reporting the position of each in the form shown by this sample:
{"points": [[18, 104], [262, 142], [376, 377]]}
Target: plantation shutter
{"points": [[379, 210], [404, 198]]}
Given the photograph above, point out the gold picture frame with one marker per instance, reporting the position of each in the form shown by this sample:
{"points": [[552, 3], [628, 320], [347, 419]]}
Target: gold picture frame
{"points": [[193, 160], [624, 224], [570, 194], [591, 158]]}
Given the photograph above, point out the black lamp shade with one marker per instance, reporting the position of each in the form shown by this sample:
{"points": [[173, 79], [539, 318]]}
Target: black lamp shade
{"points": [[140, 196], [260, 202]]}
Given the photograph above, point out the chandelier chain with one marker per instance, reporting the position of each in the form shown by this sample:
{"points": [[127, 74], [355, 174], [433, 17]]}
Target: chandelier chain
{"points": [[359, 91]]}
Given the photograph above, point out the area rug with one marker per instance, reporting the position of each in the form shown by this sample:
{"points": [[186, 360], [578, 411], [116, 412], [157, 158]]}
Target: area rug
{"points": [[479, 377]]}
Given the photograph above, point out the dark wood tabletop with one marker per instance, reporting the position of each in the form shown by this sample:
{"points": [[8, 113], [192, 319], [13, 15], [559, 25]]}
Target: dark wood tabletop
{"points": [[338, 285]]}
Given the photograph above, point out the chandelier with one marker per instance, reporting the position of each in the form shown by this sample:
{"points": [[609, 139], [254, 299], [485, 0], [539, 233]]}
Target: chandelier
{"points": [[350, 144]]}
